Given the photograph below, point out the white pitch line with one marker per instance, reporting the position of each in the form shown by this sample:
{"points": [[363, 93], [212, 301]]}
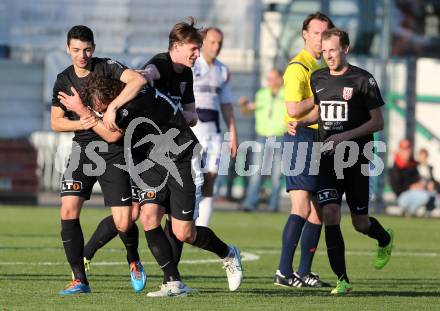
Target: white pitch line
{"points": [[363, 253], [245, 256]]}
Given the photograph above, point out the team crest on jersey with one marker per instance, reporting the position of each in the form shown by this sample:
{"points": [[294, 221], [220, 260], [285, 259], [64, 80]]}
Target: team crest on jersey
{"points": [[372, 81], [182, 87], [347, 93]]}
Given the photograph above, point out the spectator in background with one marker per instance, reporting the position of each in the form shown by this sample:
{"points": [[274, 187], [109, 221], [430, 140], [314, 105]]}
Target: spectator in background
{"points": [[269, 112], [408, 185], [424, 168]]}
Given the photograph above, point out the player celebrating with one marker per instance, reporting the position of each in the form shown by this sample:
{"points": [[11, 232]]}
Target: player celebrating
{"points": [[174, 77], [348, 103], [212, 91], [77, 182], [305, 219], [157, 184], [171, 73]]}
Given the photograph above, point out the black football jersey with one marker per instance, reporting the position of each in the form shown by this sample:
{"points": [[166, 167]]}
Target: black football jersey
{"points": [[344, 100], [65, 80], [177, 85], [160, 114]]}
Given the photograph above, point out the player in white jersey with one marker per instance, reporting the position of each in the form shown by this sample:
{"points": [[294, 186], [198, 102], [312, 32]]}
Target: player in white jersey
{"points": [[212, 92]]}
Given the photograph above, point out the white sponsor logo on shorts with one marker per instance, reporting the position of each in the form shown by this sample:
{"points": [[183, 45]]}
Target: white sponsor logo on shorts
{"points": [[125, 199], [187, 212]]}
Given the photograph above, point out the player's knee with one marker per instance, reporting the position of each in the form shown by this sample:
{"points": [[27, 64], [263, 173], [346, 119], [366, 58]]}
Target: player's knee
{"points": [[149, 222], [184, 236], [361, 226], [315, 218], [69, 212], [123, 225], [330, 215]]}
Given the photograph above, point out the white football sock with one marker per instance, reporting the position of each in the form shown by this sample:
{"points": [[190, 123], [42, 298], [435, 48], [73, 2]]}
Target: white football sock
{"points": [[205, 211]]}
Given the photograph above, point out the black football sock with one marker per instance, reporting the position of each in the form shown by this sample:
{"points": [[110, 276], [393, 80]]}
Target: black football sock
{"points": [[376, 231], [207, 240], [291, 234], [161, 249], [73, 242], [309, 244], [131, 242], [103, 234], [176, 244], [336, 251]]}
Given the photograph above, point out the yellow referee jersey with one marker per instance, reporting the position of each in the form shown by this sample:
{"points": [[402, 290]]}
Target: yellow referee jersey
{"points": [[297, 80]]}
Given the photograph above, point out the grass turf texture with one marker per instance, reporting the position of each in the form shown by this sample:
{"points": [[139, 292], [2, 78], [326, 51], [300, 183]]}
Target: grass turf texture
{"points": [[33, 268]]}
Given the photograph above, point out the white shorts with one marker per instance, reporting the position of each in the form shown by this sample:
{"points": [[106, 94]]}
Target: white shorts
{"points": [[211, 142]]}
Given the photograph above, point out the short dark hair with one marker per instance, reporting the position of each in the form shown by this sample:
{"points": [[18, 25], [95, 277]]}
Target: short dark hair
{"points": [[82, 33], [185, 32], [344, 40], [101, 88], [319, 16]]}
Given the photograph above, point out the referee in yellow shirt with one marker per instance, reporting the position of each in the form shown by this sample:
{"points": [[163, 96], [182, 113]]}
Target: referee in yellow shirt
{"points": [[304, 215]]}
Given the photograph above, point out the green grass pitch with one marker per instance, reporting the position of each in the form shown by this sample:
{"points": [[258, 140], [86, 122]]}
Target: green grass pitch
{"points": [[33, 267]]}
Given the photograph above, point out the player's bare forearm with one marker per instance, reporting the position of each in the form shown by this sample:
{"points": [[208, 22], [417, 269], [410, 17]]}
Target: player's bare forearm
{"points": [[106, 134], [59, 123], [301, 108], [373, 125], [134, 82], [228, 116], [311, 118]]}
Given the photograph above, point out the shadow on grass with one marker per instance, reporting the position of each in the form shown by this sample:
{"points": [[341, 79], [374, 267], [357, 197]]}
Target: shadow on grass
{"points": [[260, 283]]}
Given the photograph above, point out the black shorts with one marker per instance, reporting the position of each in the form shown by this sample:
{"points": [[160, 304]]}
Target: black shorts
{"points": [[135, 194], [84, 170], [354, 184], [177, 193]]}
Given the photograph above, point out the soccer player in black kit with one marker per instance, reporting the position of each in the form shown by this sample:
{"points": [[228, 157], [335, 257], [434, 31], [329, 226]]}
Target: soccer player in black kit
{"points": [[78, 180], [148, 139], [172, 75], [348, 108]]}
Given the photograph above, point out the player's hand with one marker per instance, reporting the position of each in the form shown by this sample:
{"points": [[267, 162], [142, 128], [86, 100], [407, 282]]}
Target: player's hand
{"points": [[190, 117], [72, 103], [292, 127], [334, 139], [88, 122], [109, 119], [243, 101], [150, 73]]}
